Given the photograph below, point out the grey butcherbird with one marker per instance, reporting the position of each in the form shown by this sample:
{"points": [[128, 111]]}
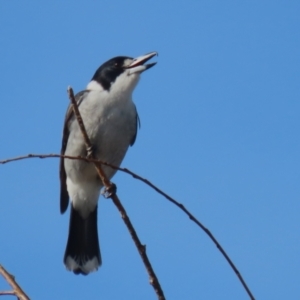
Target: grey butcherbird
{"points": [[111, 122]]}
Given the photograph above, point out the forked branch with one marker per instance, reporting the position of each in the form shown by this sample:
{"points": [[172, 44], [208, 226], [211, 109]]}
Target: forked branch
{"points": [[16, 289], [146, 181], [141, 248]]}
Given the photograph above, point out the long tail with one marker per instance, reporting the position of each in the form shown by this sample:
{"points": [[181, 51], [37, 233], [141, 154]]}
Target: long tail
{"points": [[82, 254]]}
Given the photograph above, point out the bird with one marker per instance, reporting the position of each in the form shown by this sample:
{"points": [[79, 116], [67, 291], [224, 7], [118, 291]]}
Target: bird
{"points": [[111, 121]]}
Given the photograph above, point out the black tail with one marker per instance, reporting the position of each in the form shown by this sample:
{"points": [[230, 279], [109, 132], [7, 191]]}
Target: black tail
{"points": [[82, 254]]}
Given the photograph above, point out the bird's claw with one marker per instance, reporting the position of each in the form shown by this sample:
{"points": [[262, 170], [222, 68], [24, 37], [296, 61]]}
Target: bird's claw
{"points": [[109, 191]]}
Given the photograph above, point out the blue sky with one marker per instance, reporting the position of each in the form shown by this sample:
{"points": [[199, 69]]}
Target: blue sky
{"points": [[220, 133]]}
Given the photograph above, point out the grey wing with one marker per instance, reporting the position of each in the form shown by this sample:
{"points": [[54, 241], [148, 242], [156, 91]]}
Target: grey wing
{"points": [[64, 195], [137, 125]]}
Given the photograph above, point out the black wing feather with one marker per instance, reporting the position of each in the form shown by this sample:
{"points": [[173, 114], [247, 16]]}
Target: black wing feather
{"points": [[137, 126]]}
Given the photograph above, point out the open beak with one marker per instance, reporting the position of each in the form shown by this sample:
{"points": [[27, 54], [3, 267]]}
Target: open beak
{"points": [[138, 66]]}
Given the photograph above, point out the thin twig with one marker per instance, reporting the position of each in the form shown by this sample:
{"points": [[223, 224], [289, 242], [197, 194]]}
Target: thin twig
{"points": [[7, 293], [86, 138], [182, 207], [146, 181], [17, 291], [108, 185]]}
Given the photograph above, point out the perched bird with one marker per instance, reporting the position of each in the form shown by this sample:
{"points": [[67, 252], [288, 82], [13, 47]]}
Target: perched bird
{"points": [[111, 122]]}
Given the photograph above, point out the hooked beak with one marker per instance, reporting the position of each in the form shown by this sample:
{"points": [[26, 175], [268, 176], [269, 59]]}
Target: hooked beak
{"points": [[137, 65]]}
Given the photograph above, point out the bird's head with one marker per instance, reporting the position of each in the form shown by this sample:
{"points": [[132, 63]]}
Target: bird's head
{"points": [[121, 73]]}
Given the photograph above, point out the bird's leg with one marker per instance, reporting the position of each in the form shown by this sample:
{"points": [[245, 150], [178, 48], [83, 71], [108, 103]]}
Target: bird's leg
{"points": [[109, 191]]}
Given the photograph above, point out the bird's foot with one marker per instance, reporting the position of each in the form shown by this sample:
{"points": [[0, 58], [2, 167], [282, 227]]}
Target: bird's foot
{"points": [[108, 192]]}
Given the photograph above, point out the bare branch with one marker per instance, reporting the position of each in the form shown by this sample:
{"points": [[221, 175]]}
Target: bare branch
{"points": [[17, 291], [108, 185], [146, 181]]}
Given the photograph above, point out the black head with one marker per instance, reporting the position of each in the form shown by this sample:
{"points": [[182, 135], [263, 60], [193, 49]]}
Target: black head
{"points": [[108, 72]]}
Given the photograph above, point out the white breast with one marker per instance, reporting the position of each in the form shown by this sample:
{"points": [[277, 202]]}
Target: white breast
{"points": [[110, 123]]}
